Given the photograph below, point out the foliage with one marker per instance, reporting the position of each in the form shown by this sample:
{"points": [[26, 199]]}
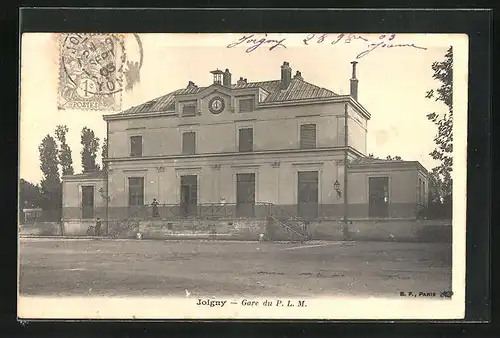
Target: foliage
{"points": [[104, 154], [443, 72], [65, 159], [30, 195], [50, 186], [388, 157], [90, 147]]}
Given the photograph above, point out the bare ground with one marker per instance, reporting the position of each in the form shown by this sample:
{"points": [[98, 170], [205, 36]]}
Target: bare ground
{"points": [[51, 267]]}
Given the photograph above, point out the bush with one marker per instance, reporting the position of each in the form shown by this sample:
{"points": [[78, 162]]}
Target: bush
{"points": [[435, 211]]}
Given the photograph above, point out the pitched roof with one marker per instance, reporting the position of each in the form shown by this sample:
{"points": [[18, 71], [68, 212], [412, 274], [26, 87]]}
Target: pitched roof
{"points": [[297, 90]]}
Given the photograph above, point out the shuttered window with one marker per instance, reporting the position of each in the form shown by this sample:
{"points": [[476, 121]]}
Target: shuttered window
{"points": [[307, 136], [246, 105], [189, 143], [189, 110], [136, 191], [246, 139], [136, 146], [424, 201], [418, 191]]}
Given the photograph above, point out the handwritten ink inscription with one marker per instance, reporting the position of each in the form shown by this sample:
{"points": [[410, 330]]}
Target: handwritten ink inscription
{"points": [[256, 42], [383, 41]]}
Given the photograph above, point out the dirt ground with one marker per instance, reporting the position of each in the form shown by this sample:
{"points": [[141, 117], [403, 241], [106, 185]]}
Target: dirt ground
{"points": [[51, 267]]}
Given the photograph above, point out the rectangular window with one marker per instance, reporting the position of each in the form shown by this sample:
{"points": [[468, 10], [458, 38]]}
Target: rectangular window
{"points": [[189, 143], [419, 191], [423, 193], [136, 191], [136, 146], [307, 136], [189, 110], [246, 139], [246, 105]]}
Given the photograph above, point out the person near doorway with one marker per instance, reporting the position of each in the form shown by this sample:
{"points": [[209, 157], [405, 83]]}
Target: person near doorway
{"points": [[154, 205], [222, 204], [98, 225]]}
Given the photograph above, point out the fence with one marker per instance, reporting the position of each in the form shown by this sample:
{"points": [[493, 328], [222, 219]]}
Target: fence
{"points": [[31, 216], [257, 210]]}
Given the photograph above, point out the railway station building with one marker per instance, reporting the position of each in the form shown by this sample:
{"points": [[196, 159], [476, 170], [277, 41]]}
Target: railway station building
{"points": [[246, 146]]}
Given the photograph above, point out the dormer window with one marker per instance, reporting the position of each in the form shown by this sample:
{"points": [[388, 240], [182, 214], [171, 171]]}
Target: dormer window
{"points": [[189, 110], [246, 105]]}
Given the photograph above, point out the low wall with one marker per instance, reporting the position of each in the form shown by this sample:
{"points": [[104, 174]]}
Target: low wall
{"points": [[250, 229], [384, 230], [40, 229], [244, 229], [78, 227]]}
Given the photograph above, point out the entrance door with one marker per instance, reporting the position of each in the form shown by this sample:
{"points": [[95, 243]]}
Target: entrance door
{"points": [[378, 197], [245, 195], [87, 202], [189, 195], [307, 196]]}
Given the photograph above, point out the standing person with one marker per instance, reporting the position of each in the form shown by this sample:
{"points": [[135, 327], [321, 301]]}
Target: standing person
{"points": [[98, 226], [154, 204], [222, 206]]}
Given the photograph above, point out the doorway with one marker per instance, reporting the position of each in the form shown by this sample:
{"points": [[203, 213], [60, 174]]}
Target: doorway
{"points": [[87, 202], [378, 197], [189, 195], [307, 194], [245, 195]]}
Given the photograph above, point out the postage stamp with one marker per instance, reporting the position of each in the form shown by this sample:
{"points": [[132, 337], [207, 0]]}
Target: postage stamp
{"points": [[90, 71]]}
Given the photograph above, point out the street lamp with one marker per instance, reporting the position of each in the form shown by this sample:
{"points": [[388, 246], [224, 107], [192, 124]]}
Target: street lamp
{"points": [[336, 186]]}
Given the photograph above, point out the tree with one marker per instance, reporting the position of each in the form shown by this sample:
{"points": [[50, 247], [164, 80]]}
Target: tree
{"points": [[90, 145], [104, 154], [64, 151], [443, 72], [50, 186], [388, 157], [29, 195]]}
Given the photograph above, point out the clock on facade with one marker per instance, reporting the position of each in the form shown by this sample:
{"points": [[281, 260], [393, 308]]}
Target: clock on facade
{"points": [[216, 105]]}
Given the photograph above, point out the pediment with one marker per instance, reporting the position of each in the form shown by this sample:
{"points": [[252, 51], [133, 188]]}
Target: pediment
{"points": [[215, 88]]}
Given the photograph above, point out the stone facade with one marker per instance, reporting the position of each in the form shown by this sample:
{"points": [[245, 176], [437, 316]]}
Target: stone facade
{"points": [[278, 111]]}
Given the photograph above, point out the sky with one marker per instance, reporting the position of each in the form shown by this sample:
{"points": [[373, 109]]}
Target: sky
{"points": [[392, 83]]}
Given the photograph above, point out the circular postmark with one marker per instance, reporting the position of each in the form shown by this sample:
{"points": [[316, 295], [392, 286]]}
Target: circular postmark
{"points": [[93, 63]]}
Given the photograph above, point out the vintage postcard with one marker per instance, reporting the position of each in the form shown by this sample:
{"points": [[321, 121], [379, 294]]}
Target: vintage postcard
{"points": [[242, 176]]}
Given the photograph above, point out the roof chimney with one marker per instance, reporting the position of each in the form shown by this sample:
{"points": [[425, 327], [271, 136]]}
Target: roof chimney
{"points": [[298, 76], [354, 82], [241, 81], [191, 84], [286, 75], [226, 78]]}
